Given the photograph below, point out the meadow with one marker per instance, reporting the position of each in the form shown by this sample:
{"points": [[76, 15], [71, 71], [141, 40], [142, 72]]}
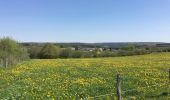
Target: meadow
{"points": [[144, 76]]}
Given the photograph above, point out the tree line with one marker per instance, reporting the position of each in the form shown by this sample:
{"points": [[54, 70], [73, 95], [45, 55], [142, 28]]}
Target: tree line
{"points": [[51, 51], [12, 52]]}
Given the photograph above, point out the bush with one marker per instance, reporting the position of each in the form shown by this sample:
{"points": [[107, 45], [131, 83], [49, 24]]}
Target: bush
{"points": [[65, 53], [11, 52], [34, 51], [49, 51], [77, 54]]}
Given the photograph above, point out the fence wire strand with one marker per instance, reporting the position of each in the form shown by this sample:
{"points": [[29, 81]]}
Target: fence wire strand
{"points": [[100, 96], [144, 87], [123, 92]]}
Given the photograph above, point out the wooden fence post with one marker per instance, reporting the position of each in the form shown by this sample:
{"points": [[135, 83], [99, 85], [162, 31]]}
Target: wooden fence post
{"points": [[118, 86], [169, 75]]}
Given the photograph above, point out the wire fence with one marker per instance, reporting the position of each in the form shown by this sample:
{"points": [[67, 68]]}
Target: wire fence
{"points": [[131, 90], [99, 96], [123, 92]]}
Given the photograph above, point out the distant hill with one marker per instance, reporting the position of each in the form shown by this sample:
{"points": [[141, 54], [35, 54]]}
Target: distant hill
{"points": [[163, 45], [121, 44], [98, 45]]}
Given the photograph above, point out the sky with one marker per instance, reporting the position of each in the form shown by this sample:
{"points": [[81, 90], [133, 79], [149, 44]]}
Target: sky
{"points": [[85, 20]]}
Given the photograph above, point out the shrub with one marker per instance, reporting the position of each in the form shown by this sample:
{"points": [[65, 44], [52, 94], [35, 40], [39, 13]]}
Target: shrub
{"points": [[49, 51], [11, 52]]}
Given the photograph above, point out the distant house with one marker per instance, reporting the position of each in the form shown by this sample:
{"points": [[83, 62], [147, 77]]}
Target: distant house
{"points": [[73, 49], [87, 49], [100, 49]]}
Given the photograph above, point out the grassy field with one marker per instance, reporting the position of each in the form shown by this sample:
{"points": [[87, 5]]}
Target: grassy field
{"points": [[142, 77]]}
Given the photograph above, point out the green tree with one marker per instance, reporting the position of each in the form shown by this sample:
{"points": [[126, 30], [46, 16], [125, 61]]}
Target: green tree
{"points": [[49, 51], [77, 54], [65, 53], [11, 52], [128, 47], [34, 51]]}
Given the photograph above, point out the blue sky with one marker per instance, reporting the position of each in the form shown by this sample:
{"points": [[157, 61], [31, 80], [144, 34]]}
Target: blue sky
{"points": [[85, 20]]}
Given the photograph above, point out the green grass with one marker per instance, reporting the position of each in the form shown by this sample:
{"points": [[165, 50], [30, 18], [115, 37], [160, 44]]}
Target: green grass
{"points": [[142, 77]]}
